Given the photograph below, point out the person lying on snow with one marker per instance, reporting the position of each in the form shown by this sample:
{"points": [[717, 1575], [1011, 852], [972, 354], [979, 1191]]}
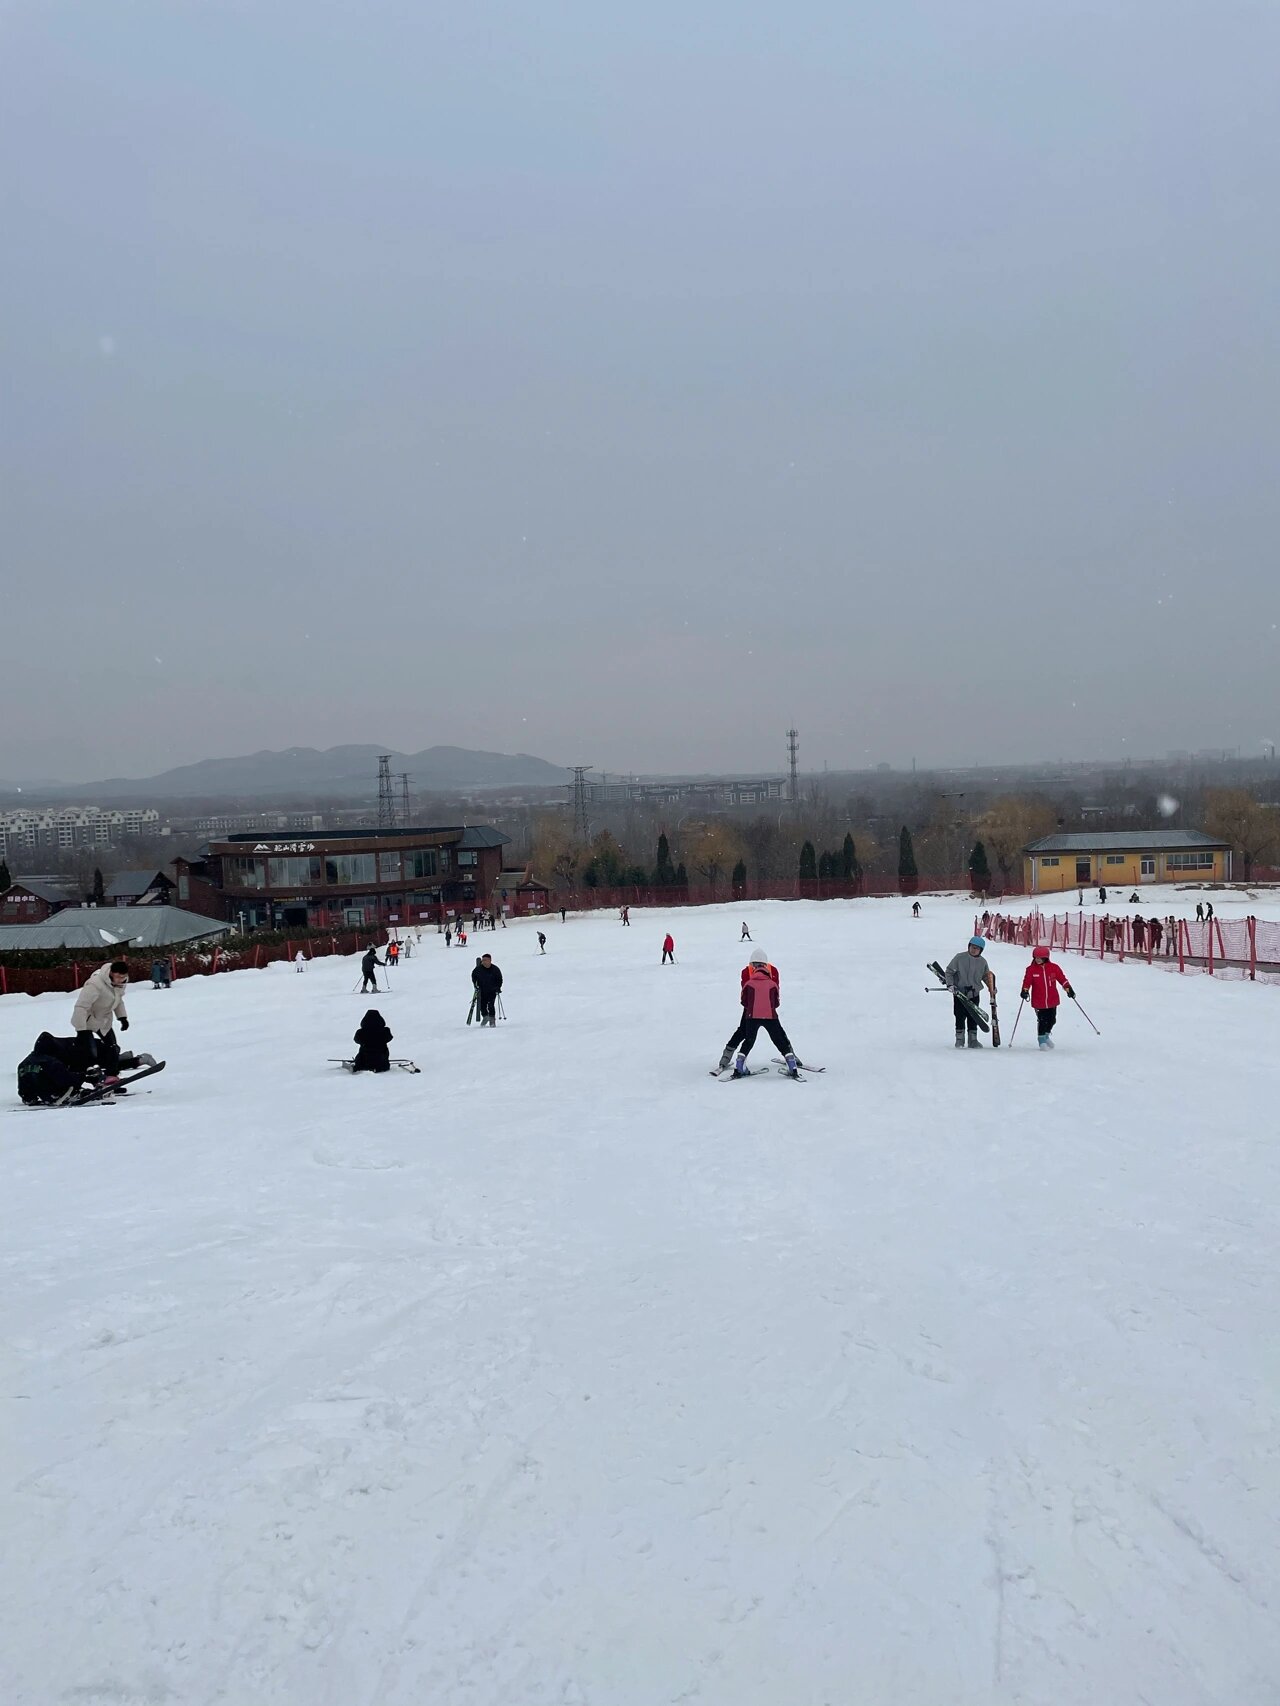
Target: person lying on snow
{"points": [[56, 1069]]}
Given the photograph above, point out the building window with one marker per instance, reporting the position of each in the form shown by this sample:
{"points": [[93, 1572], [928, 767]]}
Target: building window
{"points": [[389, 867], [1051, 861], [348, 868], [467, 860], [1148, 867], [1190, 861], [244, 873], [292, 873], [1116, 859], [421, 862]]}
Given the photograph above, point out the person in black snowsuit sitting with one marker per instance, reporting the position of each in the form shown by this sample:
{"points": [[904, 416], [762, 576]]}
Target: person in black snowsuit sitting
{"points": [[375, 1044], [488, 981], [56, 1069]]}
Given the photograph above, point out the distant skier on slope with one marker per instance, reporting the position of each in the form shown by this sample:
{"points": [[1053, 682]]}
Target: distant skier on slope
{"points": [[542, 943], [368, 970], [968, 974], [668, 948], [761, 997], [746, 934], [1040, 984]]}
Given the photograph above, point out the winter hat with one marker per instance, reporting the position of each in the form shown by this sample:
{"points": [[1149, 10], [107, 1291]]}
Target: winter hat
{"points": [[977, 942], [758, 957], [1040, 953]]}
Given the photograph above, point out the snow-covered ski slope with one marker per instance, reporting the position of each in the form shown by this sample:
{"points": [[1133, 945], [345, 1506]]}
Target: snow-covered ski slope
{"points": [[566, 1375]]}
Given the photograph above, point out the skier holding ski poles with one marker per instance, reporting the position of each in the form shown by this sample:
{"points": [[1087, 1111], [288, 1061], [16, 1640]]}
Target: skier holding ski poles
{"points": [[368, 970], [1040, 984]]}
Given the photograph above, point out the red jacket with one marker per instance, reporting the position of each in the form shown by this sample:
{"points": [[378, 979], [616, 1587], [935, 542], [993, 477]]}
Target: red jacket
{"points": [[760, 995], [668, 945], [1042, 978]]}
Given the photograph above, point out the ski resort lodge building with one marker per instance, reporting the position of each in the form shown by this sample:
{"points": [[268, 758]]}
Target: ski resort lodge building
{"points": [[341, 877], [1124, 859]]}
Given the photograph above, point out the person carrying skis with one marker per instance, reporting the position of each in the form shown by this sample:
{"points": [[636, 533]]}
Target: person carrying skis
{"points": [[761, 998], [1040, 984], [488, 981], [374, 1054], [99, 1003], [968, 974], [368, 970], [668, 948]]}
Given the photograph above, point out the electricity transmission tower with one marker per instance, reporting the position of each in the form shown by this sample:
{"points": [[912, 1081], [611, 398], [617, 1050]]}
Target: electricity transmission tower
{"points": [[405, 814], [793, 748], [581, 822], [386, 798]]}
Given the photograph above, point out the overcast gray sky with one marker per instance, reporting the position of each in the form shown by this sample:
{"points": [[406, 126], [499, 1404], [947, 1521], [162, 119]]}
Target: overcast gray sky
{"points": [[622, 383]]}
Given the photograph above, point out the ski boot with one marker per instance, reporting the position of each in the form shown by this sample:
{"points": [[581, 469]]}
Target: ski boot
{"points": [[1048, 1040], [973, 1040], [725, 1058], [1043, 1042], [959, 1036], [740, 1067]]}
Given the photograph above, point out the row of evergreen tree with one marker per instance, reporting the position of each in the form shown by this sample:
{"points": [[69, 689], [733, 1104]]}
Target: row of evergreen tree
{"points": [[609, 869]]}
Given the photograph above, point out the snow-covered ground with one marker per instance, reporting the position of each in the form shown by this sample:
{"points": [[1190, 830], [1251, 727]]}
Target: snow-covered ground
{"points": [[565, 1375]]}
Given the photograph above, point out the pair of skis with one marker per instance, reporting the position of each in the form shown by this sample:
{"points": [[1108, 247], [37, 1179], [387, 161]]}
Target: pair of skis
{"points": [[103, 1095], [403, 1065], [971, 1007], [803, 1068]]}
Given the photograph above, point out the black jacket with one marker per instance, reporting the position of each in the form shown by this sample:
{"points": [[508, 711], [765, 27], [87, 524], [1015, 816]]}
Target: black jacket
{"points": [[487, 979]]}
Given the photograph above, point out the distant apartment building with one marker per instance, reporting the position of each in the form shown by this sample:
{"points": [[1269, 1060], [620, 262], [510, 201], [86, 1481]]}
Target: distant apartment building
{"points": [[729, 791], [246, 823], [67, 827]]}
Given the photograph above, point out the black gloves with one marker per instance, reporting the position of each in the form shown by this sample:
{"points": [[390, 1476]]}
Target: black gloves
{"points": [[1071, 992], [124, 1023], [1026, 995]]}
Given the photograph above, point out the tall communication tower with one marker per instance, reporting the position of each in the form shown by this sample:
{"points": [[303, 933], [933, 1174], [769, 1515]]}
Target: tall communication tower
{"points": [[405, 814], [386, 798], [793, 749], [581, 822]]}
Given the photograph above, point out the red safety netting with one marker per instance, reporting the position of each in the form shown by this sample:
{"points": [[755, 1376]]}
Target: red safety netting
{"points": [[1223, 947]]}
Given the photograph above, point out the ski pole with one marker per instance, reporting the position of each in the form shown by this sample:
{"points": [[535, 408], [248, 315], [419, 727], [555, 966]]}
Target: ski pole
{"points": [[1088, 1021], [1013, 1033], [502, 1012]]}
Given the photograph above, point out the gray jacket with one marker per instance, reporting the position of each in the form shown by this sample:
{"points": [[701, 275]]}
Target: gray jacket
{"points": [[967, 974]]}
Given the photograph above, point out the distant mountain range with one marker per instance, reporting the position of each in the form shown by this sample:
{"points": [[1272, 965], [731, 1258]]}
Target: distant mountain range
{"points": [[339, 772]]}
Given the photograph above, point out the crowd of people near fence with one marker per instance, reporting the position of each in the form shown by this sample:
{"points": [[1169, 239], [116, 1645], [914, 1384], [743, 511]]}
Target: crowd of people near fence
{"points": [[1247, 946]]}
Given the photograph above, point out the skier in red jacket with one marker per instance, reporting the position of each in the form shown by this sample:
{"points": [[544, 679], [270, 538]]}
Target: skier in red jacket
{"points": [[760, 1000], [1040, 985], [668, 948]]}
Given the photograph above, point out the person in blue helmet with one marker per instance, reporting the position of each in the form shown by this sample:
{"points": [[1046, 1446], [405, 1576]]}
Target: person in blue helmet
{"points": [[969, 974]]}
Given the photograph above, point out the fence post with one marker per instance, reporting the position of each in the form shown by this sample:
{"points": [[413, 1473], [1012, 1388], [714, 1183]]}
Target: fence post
{"points": [[216, 953], [1252, 926], [1182, 937], [4, 981], [1208, 950]]}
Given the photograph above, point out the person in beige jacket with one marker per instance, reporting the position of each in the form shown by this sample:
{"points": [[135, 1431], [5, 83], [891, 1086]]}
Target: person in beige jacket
{"points": [[99, 1004]]}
